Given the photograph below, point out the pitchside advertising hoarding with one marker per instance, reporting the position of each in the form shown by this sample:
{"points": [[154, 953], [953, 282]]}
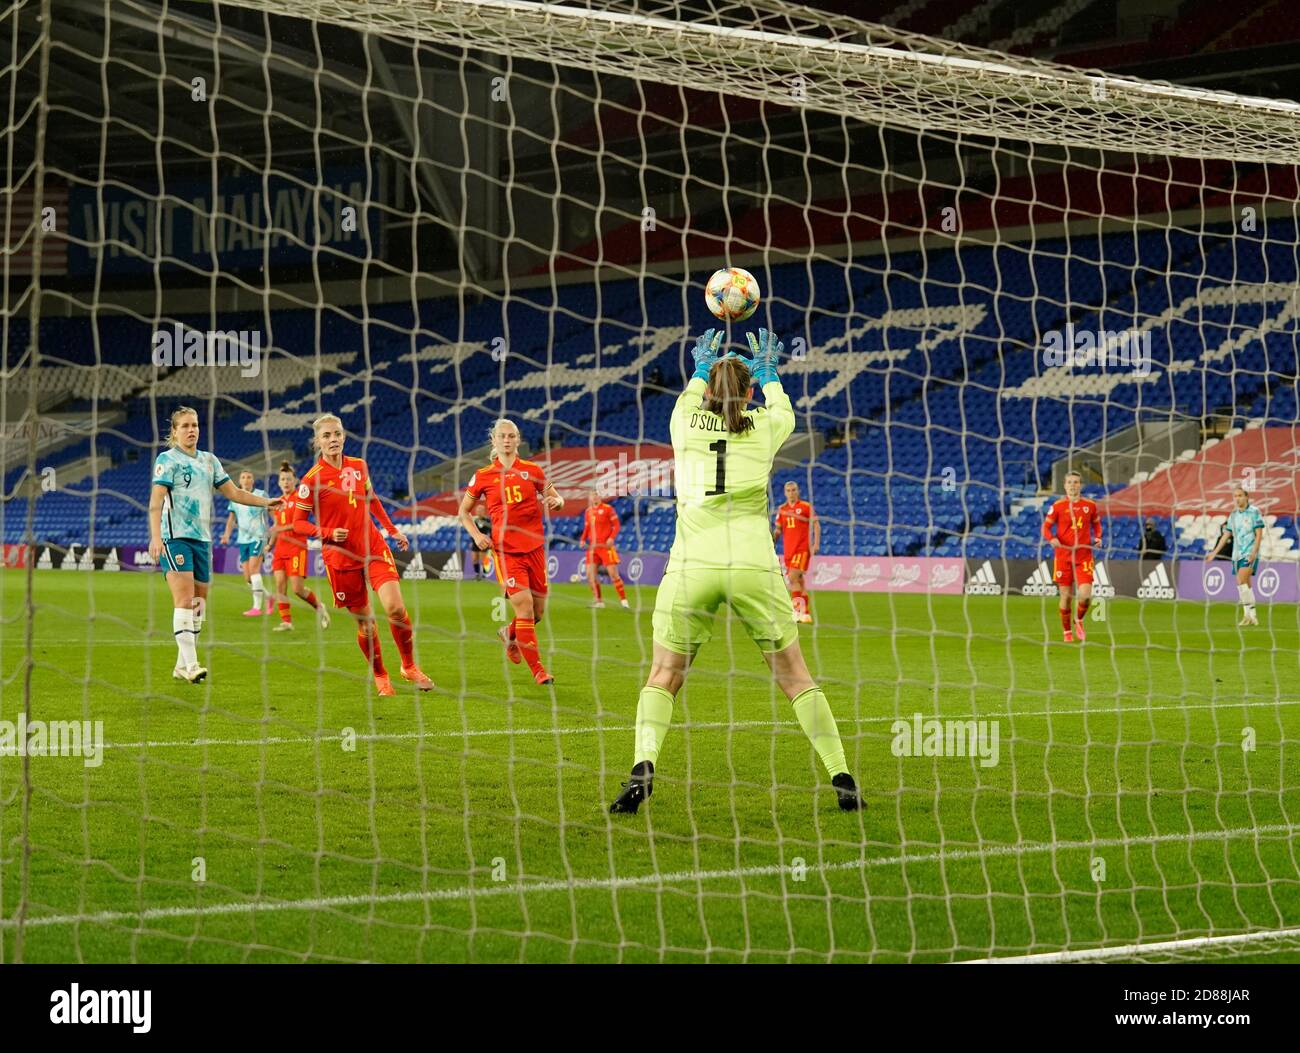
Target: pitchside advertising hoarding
{"points": [[1274, 582], [1135, 579], [1139, 579]]}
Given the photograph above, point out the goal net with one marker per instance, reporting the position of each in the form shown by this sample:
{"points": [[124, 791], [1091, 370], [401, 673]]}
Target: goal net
{"points": [[988, 272]]}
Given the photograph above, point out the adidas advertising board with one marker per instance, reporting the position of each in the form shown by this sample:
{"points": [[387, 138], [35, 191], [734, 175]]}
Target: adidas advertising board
{"points": [[1039, 581], [76, 557], [1101, 583], [1157, 582], [414, 565], [1029, 577], [982, 579]]}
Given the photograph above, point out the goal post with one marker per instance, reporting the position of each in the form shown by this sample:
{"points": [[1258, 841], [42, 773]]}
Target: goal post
{"points": [[424, 216]]}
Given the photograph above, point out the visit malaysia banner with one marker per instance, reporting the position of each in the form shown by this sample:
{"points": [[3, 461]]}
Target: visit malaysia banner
{"points": [[245, 224]]}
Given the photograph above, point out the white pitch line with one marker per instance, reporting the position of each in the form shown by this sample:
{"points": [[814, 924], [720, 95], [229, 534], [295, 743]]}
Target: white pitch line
{"points": [[594, 729], [467, 892], [1137, 950]]}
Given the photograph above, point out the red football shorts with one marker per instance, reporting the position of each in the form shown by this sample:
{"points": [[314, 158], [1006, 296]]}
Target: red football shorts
{"points": [[603, 555], [349, 586], [517, 571], [295, 566], [1073, 567], [796, 560]]}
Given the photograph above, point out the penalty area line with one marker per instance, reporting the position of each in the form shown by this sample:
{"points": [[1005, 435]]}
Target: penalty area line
{"points": [[715, 725], [646, 881]]}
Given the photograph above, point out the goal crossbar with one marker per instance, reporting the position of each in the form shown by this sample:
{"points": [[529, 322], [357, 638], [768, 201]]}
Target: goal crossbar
{"points": [[894, 86]]}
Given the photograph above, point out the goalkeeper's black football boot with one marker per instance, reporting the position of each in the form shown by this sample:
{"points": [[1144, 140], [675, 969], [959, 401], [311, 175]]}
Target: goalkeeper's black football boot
{"points": [[637, 789], [847, 792]]}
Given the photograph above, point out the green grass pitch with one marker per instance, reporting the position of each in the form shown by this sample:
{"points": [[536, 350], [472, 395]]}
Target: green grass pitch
{"points": [[471, 824]]}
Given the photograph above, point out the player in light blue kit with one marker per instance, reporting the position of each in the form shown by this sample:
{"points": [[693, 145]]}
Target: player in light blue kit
{"points": [[253, 528], [180, 529], [1245, 526]]}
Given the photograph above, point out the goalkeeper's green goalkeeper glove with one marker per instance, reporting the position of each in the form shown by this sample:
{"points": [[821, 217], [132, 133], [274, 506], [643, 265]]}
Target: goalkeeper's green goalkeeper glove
{"points": [[765, 352], [706, 353]]}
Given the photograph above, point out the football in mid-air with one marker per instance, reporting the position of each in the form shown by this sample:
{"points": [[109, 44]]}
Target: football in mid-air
{"points": [[732, 294]]}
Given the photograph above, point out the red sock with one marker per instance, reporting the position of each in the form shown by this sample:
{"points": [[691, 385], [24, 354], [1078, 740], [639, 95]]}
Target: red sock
{"points": [[369, 644], [1083, 608], [285, 616], [527, 635], [596, 587], [311, 599], [1065, 618], [618, 587], [401, 626], [510, 629], [800, 602]]}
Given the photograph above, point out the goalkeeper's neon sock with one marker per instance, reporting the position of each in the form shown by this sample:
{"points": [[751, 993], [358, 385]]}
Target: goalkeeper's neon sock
{"points": [[847, 794], [622, 592], [818, 723], [654, 712], [1065, 618], [637, 789], [368, 641]]}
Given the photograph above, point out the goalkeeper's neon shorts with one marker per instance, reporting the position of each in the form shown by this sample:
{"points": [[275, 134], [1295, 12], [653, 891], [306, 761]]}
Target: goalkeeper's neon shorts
{"points": [[689, 596]]}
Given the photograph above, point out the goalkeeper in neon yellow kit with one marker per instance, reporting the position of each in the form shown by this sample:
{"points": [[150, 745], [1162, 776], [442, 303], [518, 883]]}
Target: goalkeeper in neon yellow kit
{"points": [[723, 553]]}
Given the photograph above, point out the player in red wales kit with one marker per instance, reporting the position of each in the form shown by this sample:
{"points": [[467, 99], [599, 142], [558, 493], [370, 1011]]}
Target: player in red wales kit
{"points": [[289, 556], [599, 529], [514, 491], [793, 520], [337, 491], [1078, 527]]}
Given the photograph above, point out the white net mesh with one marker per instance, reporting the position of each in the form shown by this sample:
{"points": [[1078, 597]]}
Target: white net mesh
{"points": [[423, 216]]}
